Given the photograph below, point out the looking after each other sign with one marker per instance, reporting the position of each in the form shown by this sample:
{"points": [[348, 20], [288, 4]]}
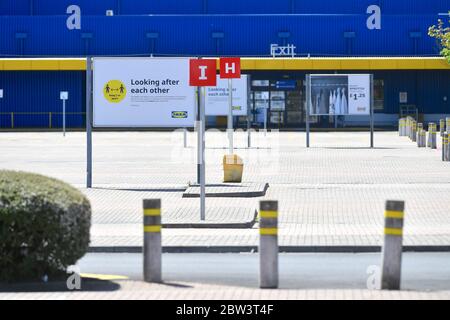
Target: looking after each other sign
{"points": [[152, 86]]}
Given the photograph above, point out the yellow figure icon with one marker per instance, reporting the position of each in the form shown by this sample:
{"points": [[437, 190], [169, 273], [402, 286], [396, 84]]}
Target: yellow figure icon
{"points": [[114, 91]]}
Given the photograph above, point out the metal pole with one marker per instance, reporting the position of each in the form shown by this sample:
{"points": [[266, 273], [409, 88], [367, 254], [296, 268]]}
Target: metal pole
{"points": [[444, 144], [308, 100], [198, 136], [202, 155], [392, 248], [64, 118], [185, 137], [152, 241], [249, 113], [89, 121], [371, 111], [230, 116], [268, 245], [265, 121]]}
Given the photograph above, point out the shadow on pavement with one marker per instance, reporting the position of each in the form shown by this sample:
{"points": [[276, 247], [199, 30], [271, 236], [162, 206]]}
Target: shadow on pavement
{"points": [[141, 190], [87, 285]]}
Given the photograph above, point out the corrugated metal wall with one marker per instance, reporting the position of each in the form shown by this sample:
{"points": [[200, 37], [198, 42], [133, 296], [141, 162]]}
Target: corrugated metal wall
{"points": [[192, 35], [136, 7], [32, 95]]}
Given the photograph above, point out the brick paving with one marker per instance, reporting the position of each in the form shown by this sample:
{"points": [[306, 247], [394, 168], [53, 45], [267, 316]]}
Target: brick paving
{"points": [[137, 290], [329, 195]]}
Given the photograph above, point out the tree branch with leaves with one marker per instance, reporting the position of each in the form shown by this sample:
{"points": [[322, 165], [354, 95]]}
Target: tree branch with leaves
{"points": [[441, 33]]}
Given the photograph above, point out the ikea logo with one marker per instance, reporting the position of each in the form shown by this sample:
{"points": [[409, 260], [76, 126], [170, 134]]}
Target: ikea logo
{"points": [[179, 114]]}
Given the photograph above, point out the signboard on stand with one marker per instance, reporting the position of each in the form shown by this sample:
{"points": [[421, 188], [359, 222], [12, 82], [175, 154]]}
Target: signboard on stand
{"points": [[339, 95], [217, 103], [142, 92], [202, 73]]}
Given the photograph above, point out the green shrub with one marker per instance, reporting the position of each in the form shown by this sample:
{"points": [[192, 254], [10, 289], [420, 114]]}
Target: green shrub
{"points": [[44, 226]]}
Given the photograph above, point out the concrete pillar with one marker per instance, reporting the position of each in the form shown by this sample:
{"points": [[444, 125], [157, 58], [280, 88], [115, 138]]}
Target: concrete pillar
{"points": [[444, 146], [152, 241], [432, 140], [268, 246], [392, 247]]}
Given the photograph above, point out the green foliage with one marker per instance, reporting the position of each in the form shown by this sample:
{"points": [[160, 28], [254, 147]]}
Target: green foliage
{"points": [[44, 226], [442, 34]]}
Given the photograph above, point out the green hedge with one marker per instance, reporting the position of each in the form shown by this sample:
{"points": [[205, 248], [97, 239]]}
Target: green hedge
{"points": [[44, 226]]}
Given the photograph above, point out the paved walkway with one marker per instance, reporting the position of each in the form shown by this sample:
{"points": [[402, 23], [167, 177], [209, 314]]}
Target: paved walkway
{"points": [[332, 194], [137, 290]]}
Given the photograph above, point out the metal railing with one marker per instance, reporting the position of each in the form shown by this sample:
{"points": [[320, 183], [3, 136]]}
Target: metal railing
{"points": [[50, 115]]}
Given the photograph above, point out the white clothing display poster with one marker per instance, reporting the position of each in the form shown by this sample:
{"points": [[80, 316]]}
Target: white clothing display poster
{"points": [[340, 94], [142, 92], [217, 97]]}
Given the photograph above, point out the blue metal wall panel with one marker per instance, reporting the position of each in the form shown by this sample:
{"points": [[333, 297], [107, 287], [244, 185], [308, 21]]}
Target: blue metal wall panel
{"points": [[15, 7], [144, 7], [244, 35], [249, 6], [139, 7], [38, 93], [88, 7]]}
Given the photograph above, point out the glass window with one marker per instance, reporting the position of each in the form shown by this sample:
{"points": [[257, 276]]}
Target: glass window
{"points": [[262, 95], [260, 83], [378, 94], [277, 95]]}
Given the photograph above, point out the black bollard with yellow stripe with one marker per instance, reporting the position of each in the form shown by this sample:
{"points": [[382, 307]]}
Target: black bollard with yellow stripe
{"points": [[268, 245], [152, 240], [444, 146], [392, 248]]}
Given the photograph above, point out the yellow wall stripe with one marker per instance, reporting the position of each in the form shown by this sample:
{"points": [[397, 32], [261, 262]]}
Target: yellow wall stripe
{"points": [[393, 231], [363, 63], [268, 231], [43, 64], [152, 229], [394, 214], [152, 212], [268, 214]]}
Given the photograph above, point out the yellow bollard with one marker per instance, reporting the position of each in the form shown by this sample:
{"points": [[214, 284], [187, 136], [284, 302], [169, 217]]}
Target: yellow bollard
{"points": [[233, 168]]}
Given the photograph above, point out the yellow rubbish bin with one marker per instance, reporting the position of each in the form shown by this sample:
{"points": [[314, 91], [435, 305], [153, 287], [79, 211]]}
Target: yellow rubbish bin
{"points": [[233, 167]]}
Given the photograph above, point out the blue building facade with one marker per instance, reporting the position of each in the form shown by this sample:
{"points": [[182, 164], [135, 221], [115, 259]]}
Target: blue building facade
{"points": [[245, 28]]}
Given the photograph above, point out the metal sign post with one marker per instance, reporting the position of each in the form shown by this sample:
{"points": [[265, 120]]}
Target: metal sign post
{"points": [[230, 68], [372, 125], [230, 116], [202, 72], [89, 122], [308, 106], [249, 114], [64, 95], [202, 155]]}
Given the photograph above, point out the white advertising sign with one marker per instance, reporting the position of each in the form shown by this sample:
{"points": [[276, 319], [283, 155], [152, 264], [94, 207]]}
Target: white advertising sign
{"points": [[217, 97], [142, 92], [1, 93], [64, 95], [340, 94]]}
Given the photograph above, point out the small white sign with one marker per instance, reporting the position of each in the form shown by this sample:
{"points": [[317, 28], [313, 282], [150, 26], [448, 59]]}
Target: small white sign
{"points": [[1, 93], [217, 97], [403, 97], [64, 95]]}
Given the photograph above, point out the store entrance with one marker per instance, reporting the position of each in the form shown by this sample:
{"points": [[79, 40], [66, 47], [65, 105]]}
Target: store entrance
{"points": [[280, 102]]}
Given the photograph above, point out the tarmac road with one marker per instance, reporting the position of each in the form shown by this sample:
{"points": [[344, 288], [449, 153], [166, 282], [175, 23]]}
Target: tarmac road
{"points": [[420, 272]]}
